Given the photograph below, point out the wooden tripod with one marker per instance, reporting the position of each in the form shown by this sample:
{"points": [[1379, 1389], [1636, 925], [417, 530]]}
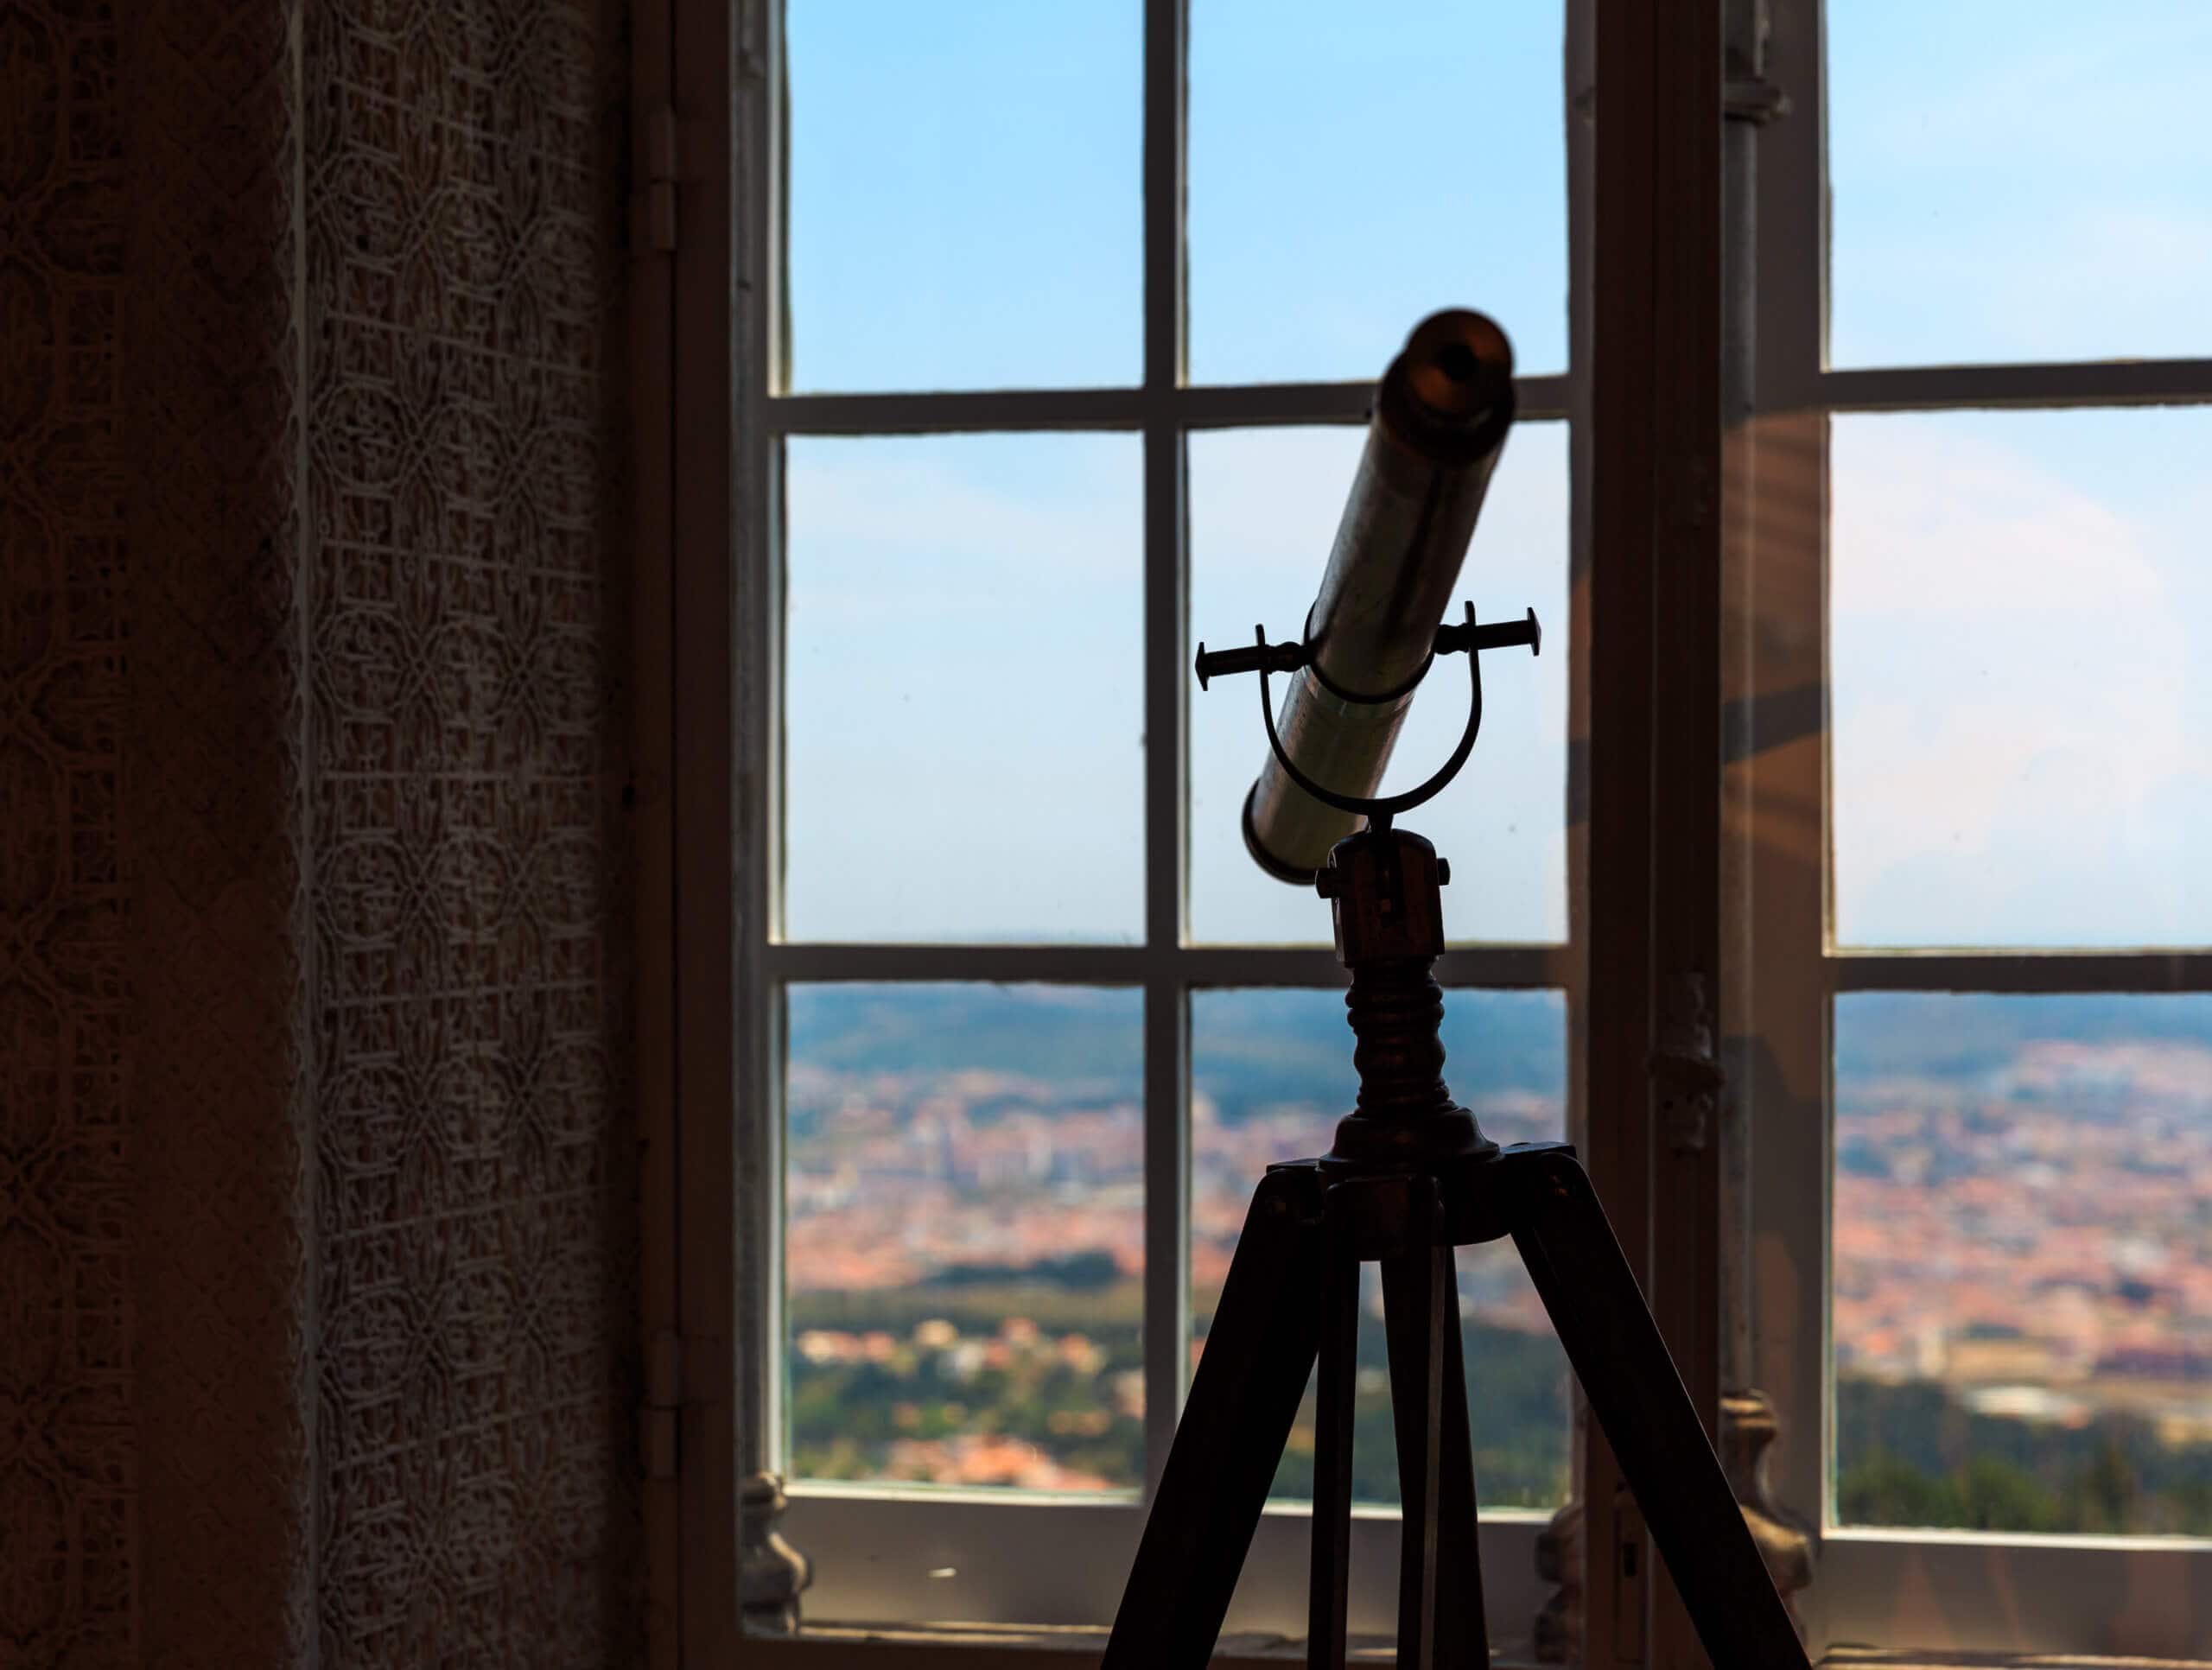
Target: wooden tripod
{"points": [[1409, 1178]]}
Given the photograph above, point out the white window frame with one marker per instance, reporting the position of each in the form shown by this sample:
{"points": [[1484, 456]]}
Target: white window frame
{"points": [[1024, 1561], [1925, 1592]]}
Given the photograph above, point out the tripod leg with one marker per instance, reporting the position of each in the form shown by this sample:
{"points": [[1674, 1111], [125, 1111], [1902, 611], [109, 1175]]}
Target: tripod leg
{"points": [[1589, 1290], [1441, 1621], [1330, 1575], [1235, 1423]]}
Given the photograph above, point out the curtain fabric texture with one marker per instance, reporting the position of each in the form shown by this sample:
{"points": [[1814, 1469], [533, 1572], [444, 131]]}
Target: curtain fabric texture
{"points": [[317, 1252]]}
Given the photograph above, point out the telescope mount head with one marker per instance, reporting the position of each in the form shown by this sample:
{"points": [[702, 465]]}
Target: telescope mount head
{"points": [[1383, 885]]}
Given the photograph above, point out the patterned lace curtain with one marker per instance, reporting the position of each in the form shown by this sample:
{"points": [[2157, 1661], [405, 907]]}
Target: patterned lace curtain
{"points": [[316, 1213]]}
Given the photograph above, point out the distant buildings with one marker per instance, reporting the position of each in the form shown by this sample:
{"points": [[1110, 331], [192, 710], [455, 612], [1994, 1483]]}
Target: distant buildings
{"points": [[2040, 1240], [2037, 1239]]}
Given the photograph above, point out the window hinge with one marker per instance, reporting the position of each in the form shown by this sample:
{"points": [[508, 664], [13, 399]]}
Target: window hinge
{"points": [[658, 1416], [653, 209]]}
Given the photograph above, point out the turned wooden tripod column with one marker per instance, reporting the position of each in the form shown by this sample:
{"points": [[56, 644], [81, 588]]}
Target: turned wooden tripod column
{"points": [[1384, 887]]}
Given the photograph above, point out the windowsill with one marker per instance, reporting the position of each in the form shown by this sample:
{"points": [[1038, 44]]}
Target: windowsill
{"points": [[884, 1563], [949, 1645], [1861, 1658], [946, 1645]]}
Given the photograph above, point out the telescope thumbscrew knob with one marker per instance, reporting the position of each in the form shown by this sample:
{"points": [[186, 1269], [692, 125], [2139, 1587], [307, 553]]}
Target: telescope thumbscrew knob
{"points": [[1444, 873], [1326, 883]]}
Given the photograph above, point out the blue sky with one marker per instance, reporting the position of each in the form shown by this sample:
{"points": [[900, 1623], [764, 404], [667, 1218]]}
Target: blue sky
{"points": [[2021, 612], [2019, 180], [2019, 599], [966, 187]]}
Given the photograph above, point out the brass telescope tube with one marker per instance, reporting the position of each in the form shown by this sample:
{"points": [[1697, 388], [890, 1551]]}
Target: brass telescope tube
{"points": [[1439, 421]]}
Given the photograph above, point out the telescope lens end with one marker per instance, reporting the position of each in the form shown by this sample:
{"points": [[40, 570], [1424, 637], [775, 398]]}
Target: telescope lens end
{"points": [[1458, 366]]}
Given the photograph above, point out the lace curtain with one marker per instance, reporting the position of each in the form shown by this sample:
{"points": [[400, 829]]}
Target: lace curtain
{"points": [[316, 1215]]}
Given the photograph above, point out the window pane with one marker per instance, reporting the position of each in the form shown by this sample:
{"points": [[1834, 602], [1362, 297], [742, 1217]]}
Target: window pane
{"points": [[1353, 168], [2019, 612], [966, 194], [964, 721], [2023, 1262], [1263, 506], [1270, 1076], [2018, 183], [964, 1234]]}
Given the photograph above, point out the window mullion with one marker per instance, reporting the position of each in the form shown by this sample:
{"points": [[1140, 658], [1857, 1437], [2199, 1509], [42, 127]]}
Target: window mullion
{"points": [[1166, 1044], [1166, 31], [2091, 383], [1776, 901], [1502, 968], [1166, 1205], [1238, 405], [1079, 965], [2028, 971], [1167, 1167], [957, 411]]}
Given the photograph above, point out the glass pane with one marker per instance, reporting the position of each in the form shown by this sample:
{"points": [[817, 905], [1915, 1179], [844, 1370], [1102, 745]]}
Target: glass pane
{"points": [[1263, 508], [963, 711], [1270, 1076], [2019, 182], [964, 1234], [2023, 1262], [965, 206], [1353, 168], [2020, 614]]}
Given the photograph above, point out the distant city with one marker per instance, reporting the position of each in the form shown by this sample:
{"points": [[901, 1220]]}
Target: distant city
{"points": [[2023, 1258], [2023, 1261]]}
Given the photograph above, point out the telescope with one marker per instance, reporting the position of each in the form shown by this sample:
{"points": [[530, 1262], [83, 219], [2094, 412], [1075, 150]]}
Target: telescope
{"points": [[1409, 1176], [1439, 423]]}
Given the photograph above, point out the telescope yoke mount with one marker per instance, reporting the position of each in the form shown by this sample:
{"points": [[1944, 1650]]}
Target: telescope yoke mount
{"points": [[1467, 638]]}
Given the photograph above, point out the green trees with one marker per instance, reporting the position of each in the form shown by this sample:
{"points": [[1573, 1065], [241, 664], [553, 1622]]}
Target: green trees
{"points": [[1912, 1457], [908, 1382], [893, 1382], [1987, 1494]]}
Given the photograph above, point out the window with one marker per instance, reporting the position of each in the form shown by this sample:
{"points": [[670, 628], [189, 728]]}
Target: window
{"points": [[1978, 1015], [1062, 332]]}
